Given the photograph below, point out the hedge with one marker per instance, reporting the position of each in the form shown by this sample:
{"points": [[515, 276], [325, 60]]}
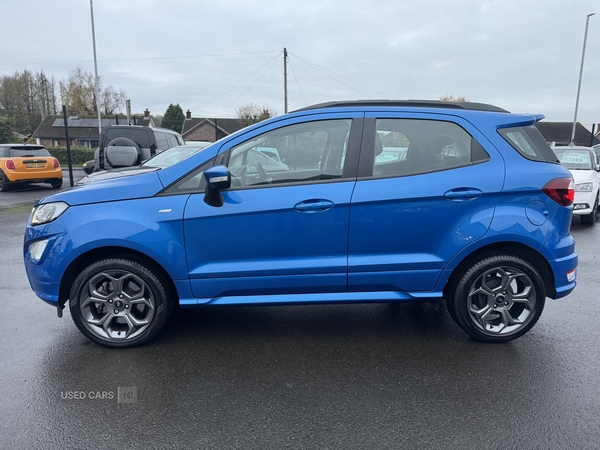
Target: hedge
{"points": [[79, 155]]}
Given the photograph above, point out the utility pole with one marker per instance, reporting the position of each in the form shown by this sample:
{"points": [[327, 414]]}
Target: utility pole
{"points": [[96, 70], [285, 89], [587, 23]]}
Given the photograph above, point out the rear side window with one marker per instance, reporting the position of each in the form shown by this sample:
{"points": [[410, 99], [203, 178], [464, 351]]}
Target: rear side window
{"points": [[161, 141], [410, 146], [529, 142]]}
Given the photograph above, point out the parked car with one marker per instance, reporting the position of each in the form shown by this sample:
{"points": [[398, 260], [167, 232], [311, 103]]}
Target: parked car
{"points": [[160, 161], [130, 145], [484, 226], [27, 163], [271, 152], [584, 164]]}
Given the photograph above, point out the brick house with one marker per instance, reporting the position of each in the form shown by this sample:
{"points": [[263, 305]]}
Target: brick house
{"points": [[208, 130]]}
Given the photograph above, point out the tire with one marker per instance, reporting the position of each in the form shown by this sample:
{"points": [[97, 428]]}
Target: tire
{"points": [[57, 184], [120, 303], [123, 142], [590, 219], [497, 298], [5, 185]]}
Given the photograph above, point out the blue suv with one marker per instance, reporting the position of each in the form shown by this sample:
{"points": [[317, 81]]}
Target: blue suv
{"points": [[470, 205]]}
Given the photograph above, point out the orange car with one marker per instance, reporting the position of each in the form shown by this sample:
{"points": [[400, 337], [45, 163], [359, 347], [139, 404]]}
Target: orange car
{"points": [[21, 163]]}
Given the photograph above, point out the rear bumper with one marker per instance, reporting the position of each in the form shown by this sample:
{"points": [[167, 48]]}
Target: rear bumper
{"points": [[34, 176], [565, 275]]}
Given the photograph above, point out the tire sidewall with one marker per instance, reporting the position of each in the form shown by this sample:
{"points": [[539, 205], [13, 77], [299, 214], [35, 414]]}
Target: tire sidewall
{"points": [[458, 297], [162, 303]]}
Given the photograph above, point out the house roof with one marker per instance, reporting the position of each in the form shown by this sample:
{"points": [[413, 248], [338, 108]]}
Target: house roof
{"points": [[228, 126], [53, 127], [560, 133]]}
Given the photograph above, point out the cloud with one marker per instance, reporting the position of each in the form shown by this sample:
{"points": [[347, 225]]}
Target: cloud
{"points": [[215, 56]]}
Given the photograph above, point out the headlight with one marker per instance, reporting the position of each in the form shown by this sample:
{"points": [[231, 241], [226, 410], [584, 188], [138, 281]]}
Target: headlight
{"points": [[48, 212], [583, 187]]}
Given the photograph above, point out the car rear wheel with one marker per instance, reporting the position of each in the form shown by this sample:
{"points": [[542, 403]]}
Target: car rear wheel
{"points": [[57, 184], [497, 298], [120, 303], [5, 185]]}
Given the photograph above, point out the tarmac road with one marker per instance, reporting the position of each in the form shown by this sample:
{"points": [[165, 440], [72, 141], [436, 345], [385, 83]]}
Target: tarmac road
{"points": [[28, 194], [375, 376]]}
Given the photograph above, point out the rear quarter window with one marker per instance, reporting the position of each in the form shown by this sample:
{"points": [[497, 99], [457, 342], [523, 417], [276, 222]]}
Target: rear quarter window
{"points": [[529, 142]]}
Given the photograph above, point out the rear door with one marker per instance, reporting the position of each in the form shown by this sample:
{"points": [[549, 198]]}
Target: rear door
{"points": [[413, 209]]}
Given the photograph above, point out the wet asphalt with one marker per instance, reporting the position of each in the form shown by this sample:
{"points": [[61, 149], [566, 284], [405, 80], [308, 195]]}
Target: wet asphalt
{"points": [[374, 376]]}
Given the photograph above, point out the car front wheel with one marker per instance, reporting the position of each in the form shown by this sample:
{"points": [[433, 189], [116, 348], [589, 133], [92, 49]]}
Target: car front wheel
{"points": [[120, 303], [497, 298]]}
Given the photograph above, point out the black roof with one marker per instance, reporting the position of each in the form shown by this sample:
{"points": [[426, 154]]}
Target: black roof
{"points": [[53, 127], [412, 103], [560, 133]]}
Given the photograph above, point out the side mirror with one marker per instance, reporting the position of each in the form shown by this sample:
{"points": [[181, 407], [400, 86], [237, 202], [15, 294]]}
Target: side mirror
{"points": [[217, 178]]}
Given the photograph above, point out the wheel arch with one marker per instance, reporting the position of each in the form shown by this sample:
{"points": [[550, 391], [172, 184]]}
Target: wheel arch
{"points": [[517, 249], [84, 260]]}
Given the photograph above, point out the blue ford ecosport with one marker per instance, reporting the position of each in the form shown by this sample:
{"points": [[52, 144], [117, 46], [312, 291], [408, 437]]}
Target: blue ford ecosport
{"points": [[475, 210]]}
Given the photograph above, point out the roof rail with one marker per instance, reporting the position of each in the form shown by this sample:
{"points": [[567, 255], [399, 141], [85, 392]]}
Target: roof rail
{"points": [[412, 103]]}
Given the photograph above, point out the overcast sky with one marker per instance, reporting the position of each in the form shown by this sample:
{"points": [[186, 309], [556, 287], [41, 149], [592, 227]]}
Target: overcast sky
{"points": [[214, 56]]}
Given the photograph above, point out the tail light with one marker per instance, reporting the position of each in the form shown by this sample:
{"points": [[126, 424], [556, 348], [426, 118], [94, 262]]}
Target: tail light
{"points": [[56, 163], [10, 164], [561, 190]]}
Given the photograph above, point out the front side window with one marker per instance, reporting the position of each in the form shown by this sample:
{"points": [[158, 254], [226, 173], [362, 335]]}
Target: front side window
{"points": [[306, 152], [411, 146]]}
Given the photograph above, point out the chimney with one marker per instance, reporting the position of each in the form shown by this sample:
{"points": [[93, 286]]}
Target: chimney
{"points": [[146, 113], [188, 114]]}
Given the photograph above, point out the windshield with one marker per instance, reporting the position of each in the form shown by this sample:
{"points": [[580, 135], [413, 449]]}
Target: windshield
{"points": [[171, 156], [575, 159]]}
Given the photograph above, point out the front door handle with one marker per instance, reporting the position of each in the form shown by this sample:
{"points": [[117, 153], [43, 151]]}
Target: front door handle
{"points": [[312, 206]]}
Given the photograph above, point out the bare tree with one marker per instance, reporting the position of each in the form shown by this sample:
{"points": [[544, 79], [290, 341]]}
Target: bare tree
{"points": [[79, 92], [251, 113], [452, 98], [111, 100]]}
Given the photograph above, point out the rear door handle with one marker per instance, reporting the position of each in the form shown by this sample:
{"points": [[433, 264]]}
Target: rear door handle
{"points": [[463, 194]]}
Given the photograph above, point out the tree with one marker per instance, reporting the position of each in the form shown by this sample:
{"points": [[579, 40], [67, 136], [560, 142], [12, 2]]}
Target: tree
{"points": [[79, 92], [6, 134], [452, 98], [174, 118], [251, 113]]}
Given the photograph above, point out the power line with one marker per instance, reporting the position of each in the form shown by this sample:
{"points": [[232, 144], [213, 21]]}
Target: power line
{"points": [[137, 59], [324, 72], [269, 63], [298, 84], [257, 80]]}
